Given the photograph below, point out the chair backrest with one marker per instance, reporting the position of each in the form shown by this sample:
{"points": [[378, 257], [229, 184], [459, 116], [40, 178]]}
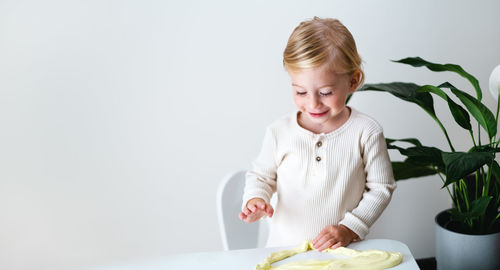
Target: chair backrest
{"points": [[235, 233]]}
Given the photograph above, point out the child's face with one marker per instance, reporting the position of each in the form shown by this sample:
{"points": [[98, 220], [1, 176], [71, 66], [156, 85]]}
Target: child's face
{"points": [[320, 94]]}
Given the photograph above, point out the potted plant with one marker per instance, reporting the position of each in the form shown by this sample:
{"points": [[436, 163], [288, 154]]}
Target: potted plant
{"points": [[471, 178]]}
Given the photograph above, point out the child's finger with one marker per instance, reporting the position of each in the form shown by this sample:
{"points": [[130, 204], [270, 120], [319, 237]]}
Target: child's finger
{"points": [[247, 218], [325, 239], [318, 237], [261, 205], [252, 207], [269, 210], [253, 217], [316, 240], [337, 245], [325, 243]]}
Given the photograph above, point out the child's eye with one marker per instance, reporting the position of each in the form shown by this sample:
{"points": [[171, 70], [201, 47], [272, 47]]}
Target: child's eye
{"points": [[325, 93]]}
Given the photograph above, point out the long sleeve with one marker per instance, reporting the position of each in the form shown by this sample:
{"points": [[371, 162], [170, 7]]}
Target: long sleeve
{"points": [[261, 179], [341, 177], [379, 186]]}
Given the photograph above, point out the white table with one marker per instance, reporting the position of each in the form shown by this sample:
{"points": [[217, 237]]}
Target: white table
{"points": [[248, 258]]}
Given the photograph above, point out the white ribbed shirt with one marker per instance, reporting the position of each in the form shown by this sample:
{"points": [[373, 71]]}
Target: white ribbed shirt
{"points": [[342, 177]]}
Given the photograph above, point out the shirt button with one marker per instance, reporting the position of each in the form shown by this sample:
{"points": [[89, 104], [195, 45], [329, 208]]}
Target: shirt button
{"points": [[319, 144], [318, 159]]}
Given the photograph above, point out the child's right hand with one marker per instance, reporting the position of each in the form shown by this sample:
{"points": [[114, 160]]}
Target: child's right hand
{"points": [[256, 208]]}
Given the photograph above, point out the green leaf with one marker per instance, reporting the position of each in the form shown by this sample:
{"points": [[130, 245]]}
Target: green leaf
{"points": [[456, 215], [406, 170], [413, 141], [460, 164], [477, 208], [419, 155], [485, 148], [405, 91], [408, 92], [495, 168], [425, 156], [460, 115], [348, 98], [419, 62], [480, 112]]}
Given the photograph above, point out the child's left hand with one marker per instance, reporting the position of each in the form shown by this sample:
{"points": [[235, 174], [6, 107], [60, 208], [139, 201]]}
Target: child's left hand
{"points": [[334, 236]]}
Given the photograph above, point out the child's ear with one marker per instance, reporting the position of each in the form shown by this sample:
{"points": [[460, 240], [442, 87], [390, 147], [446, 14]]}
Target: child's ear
{"points": [[355, 80]]}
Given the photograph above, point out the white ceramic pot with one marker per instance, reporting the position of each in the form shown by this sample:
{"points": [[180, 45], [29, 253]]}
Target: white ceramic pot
{"points": [[464, 251]]}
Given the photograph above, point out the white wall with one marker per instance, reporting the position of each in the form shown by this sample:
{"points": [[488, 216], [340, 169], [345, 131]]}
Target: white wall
{"points": [[119, 118]]}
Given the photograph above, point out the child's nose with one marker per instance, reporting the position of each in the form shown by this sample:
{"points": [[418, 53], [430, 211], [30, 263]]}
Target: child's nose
{"points": [[314, 101]]}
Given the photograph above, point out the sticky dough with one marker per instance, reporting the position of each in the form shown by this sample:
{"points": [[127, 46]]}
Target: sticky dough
{"points": [[369, 259]]}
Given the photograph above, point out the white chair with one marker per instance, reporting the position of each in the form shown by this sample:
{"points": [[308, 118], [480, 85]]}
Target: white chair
{"points": [[235, 233]]}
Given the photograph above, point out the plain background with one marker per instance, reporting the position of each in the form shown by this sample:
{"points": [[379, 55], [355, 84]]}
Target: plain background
{"points": [[118, 119]]}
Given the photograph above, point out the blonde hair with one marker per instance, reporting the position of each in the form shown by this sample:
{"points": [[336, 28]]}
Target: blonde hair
{"points": [[320, 41]]}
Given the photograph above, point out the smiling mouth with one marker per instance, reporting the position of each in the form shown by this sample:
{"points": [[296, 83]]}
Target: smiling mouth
{"points": [[317, 114]]}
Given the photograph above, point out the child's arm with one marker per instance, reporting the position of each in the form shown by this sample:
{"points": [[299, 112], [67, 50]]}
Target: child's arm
{"points": [[260, 182], [378, 188], [255, 210]]}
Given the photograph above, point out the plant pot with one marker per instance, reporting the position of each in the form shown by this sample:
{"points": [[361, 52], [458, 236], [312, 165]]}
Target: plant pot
{"points": [[464, 251]]}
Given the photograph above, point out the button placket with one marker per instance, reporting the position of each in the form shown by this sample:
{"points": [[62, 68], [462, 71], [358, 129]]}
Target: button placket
{"points": [[318, 155], [318, 149]]}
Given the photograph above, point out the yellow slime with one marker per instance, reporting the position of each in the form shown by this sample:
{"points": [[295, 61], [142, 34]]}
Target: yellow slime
{"points": [[366, 260]]}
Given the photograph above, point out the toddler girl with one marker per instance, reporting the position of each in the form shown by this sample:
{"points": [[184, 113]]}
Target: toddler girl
{"points": [[327, 161]]}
